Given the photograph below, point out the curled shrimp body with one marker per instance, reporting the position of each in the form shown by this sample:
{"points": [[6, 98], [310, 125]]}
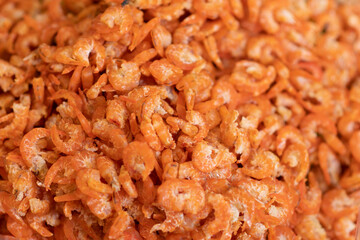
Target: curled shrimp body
{"points": [[316, 123], [162, 131], [181, 195], [182, 56], [310, 200], [329, 164], [336, 203], [25, 189], [86, 46], [18, 124], [124, 77], [116, 112], [119, 18], [139, 160], [309, 227], [165, 73], [161, 38], [30, 150], [108, 171], [77, 137], [264, 48], [261, 165], [88, 182], [222, 213], [296, 156], [206, 157], [285, 135], [252, 77]]}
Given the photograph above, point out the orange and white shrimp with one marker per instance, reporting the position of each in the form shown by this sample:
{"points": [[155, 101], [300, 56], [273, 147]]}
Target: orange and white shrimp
{"points": [[119, 17], [75, 132], [123, 76], [88, 182], [30, 151], [223, 215], [116, 112], [297, 156], [261, 164], [19, 122], [310, 199], [139, 160], [165, 73], [181, 195], [107, 171], [329, 164], [161, 38], [252, 77]]}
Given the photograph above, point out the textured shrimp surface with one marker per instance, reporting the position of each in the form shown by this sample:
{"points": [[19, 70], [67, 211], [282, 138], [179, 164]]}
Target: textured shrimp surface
{"points": [[179, 119]]}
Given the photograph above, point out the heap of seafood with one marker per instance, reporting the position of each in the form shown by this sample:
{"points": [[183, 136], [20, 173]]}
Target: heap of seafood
{"points": [[179, 119]]}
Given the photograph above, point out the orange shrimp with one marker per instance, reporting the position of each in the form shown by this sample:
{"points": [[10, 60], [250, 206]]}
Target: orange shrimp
{"points": [[123, 78], [88, 182], [252, 77], [310, 200], [30, 153], [165, 72], [139, 164], [161, 38], [77, 137], [296, 155], [181, 195], [108, 171], [18, 124], [262, 164]]}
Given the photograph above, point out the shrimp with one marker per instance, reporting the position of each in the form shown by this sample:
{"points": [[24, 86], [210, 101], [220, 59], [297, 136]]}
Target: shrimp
{"points": [[123, 78], [264, 48], [336, 203], [289, 109], [25, 189], [223, 215], [119, 18], [19, 122], [127, 184], [9, 71], [316, 123], [310, 200], [116, 112], [348, 123], [181, 195], [120, 223], [139, 160], [252, 77], [95, 89], [206, 157], [309, 227], [262, 164], [88, 182], [18, 229], [196, 87], [30, 153], [162, 131], [165, 73], [37, 222], [297, 156], [161, 38], [108, 171], [329, 164], [182, 56]]}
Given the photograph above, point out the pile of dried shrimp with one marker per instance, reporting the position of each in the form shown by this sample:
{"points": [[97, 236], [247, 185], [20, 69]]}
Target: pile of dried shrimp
{"points": [[179, 119]]}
